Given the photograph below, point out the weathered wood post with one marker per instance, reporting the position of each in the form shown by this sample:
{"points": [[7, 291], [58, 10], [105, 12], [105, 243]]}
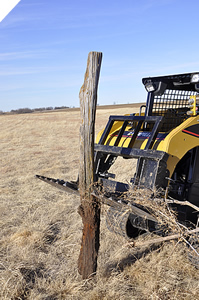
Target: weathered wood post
{"points": [[89, 208]]}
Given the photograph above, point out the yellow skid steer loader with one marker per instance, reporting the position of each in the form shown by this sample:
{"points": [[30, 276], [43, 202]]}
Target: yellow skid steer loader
{"points": [[164, 138]]}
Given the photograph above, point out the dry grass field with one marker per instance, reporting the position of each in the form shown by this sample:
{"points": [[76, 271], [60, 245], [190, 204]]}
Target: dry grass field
{"points": [[40, 229]]}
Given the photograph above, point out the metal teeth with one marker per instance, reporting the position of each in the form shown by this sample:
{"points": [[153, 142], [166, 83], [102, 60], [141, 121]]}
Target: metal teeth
{"points": [[70, 187]]}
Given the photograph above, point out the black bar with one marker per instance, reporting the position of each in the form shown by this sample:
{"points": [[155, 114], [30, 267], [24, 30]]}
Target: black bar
{"points": [[106, 131], [149, 104], [120, 134], [130, 153], [134, 136], [131, 118], [153, 134]]}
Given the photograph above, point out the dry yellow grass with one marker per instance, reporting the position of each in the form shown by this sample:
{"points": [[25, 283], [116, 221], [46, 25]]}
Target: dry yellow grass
{"points": [[41, 231]]}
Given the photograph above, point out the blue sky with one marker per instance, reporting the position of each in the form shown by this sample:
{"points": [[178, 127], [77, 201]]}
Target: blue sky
{"points": [[44, 47]]}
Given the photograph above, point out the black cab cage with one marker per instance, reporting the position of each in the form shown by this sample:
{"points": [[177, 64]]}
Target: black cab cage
{"points": [[169, 98]]}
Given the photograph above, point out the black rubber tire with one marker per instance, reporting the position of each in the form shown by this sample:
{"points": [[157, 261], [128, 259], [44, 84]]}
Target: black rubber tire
{"points": [[119, 223]]}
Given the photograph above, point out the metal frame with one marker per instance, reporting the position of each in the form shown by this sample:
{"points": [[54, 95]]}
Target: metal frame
{"points": [[149, 159], [126, 119]]}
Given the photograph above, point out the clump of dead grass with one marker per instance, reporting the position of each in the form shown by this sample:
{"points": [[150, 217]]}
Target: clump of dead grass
{"points": [[155, 202]]}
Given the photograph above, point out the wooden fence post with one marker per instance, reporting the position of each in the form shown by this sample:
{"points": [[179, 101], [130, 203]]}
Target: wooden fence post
{"points": [[89, 208]]}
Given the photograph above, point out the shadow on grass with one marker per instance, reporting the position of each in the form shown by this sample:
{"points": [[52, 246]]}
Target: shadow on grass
{"points": [[119, 266]]}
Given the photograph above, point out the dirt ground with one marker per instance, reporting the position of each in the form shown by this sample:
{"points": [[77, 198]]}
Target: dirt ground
{"points": [[40, 229]]}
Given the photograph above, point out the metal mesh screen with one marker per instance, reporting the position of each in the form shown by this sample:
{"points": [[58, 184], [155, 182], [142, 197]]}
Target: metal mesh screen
{"points": [[173, 105]]}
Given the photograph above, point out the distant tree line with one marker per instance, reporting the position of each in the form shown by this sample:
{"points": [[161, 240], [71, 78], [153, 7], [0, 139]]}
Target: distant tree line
{"points": [[27, 110]]}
